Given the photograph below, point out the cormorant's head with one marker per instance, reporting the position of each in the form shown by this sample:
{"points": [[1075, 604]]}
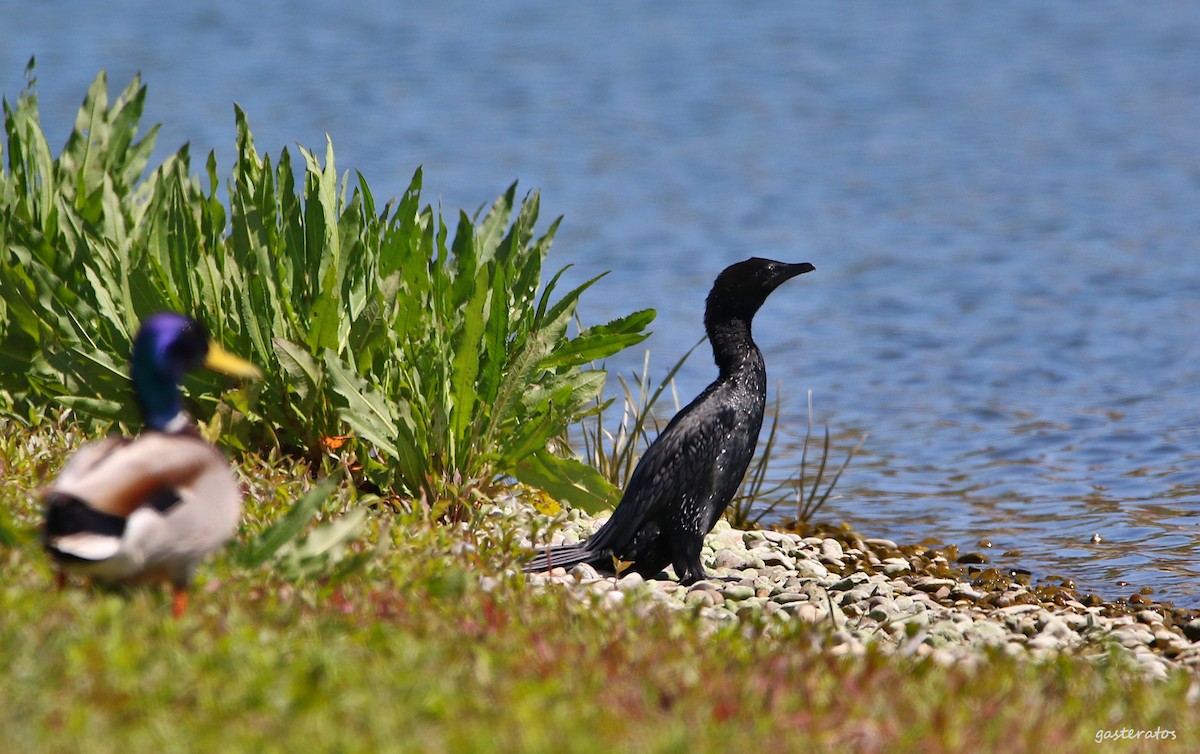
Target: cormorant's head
{"points": [[741, 288], [168, 346]]}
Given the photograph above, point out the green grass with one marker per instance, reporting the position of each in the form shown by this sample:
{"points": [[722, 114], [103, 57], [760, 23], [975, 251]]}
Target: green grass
{"points": [[410, 652]]}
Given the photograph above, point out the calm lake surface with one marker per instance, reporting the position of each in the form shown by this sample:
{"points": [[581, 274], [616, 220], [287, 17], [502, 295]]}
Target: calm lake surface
{"points": [[1002, 201]]}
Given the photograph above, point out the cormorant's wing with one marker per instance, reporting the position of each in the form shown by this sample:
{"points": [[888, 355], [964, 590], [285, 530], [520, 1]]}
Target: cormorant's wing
{"points": [[678, 465]]}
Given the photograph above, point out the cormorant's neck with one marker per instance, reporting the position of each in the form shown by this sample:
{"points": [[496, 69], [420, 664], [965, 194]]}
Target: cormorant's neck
{"points": [[733, 347]]}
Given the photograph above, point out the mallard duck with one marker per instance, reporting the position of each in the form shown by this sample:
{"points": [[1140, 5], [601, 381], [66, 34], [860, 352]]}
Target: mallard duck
{"points": [[150, 508]]}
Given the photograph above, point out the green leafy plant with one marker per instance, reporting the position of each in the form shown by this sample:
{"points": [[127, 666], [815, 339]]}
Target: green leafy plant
{"points": [[318, 554], [614, 452], [439, 355], [609, 455]]}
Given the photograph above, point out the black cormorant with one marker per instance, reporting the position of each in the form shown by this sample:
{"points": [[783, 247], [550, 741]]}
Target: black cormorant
{"points": [[688, 475]]}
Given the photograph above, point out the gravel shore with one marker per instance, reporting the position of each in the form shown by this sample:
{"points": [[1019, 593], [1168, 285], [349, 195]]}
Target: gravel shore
{"points": [[873, 592]]}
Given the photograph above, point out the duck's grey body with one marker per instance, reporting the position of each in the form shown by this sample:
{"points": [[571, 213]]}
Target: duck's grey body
{"points": [[141, 510]]}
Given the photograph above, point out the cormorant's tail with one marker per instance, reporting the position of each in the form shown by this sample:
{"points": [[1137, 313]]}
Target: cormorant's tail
{"points": [[560, 555]]}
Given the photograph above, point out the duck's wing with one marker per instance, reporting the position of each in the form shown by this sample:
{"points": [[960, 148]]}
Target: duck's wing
{"points": [[87, 458], [89, 505], [141, 472]]}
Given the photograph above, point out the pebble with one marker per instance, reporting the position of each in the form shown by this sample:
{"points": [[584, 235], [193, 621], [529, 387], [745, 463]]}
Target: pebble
{"points": [[613, 599], [1150, 617], [811, 569], [584, 572], [778, 559], [832, 549], [630, 581], [705, 597], [1192, 630], [738, 592], [849, 582], [728, 559], [780, 577], [929, 584]]}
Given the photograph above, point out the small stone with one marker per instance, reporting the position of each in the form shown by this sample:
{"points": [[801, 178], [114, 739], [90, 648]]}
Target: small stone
{"points": [[849, 582], [737, 592], [1164, 638], [1192, 630], [630, 581], [1056, 629], [933, 585], [600, 586], [832, 549], [784, 598], [944, 633], [613, 599], [885, 544], [584, 572], [1150, 617], [1045, 643], [811, 569], [1018, 609], [967, 592], [727, 559], [703, 597], [751, 608], [988, 632], [895, 565], [776, 558], [726, 539], [807, 612], [1133, 636]]}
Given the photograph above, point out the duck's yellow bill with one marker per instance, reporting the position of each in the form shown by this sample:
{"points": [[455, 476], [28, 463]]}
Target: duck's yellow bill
{"points": [[220, 360]]}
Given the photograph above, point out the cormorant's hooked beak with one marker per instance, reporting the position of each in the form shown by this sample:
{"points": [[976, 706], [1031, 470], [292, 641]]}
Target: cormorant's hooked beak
{"points": [[220, 360], [789, 271]]}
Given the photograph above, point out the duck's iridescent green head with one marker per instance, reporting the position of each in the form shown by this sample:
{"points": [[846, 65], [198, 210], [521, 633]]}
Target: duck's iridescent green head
{"points": [[168, 346]]}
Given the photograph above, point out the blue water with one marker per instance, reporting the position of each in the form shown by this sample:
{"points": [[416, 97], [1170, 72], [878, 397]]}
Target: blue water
{"points": [[1002, 201]]}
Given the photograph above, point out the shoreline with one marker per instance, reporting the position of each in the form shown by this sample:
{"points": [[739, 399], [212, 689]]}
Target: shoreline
{"points": [[871, 592]]}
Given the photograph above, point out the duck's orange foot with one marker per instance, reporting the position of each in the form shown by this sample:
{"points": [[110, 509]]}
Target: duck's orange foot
{"points": [[179, 603]]}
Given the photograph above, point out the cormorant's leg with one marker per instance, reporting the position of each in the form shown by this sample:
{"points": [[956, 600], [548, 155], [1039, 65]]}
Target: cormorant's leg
{"points": [[686, 559]]}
